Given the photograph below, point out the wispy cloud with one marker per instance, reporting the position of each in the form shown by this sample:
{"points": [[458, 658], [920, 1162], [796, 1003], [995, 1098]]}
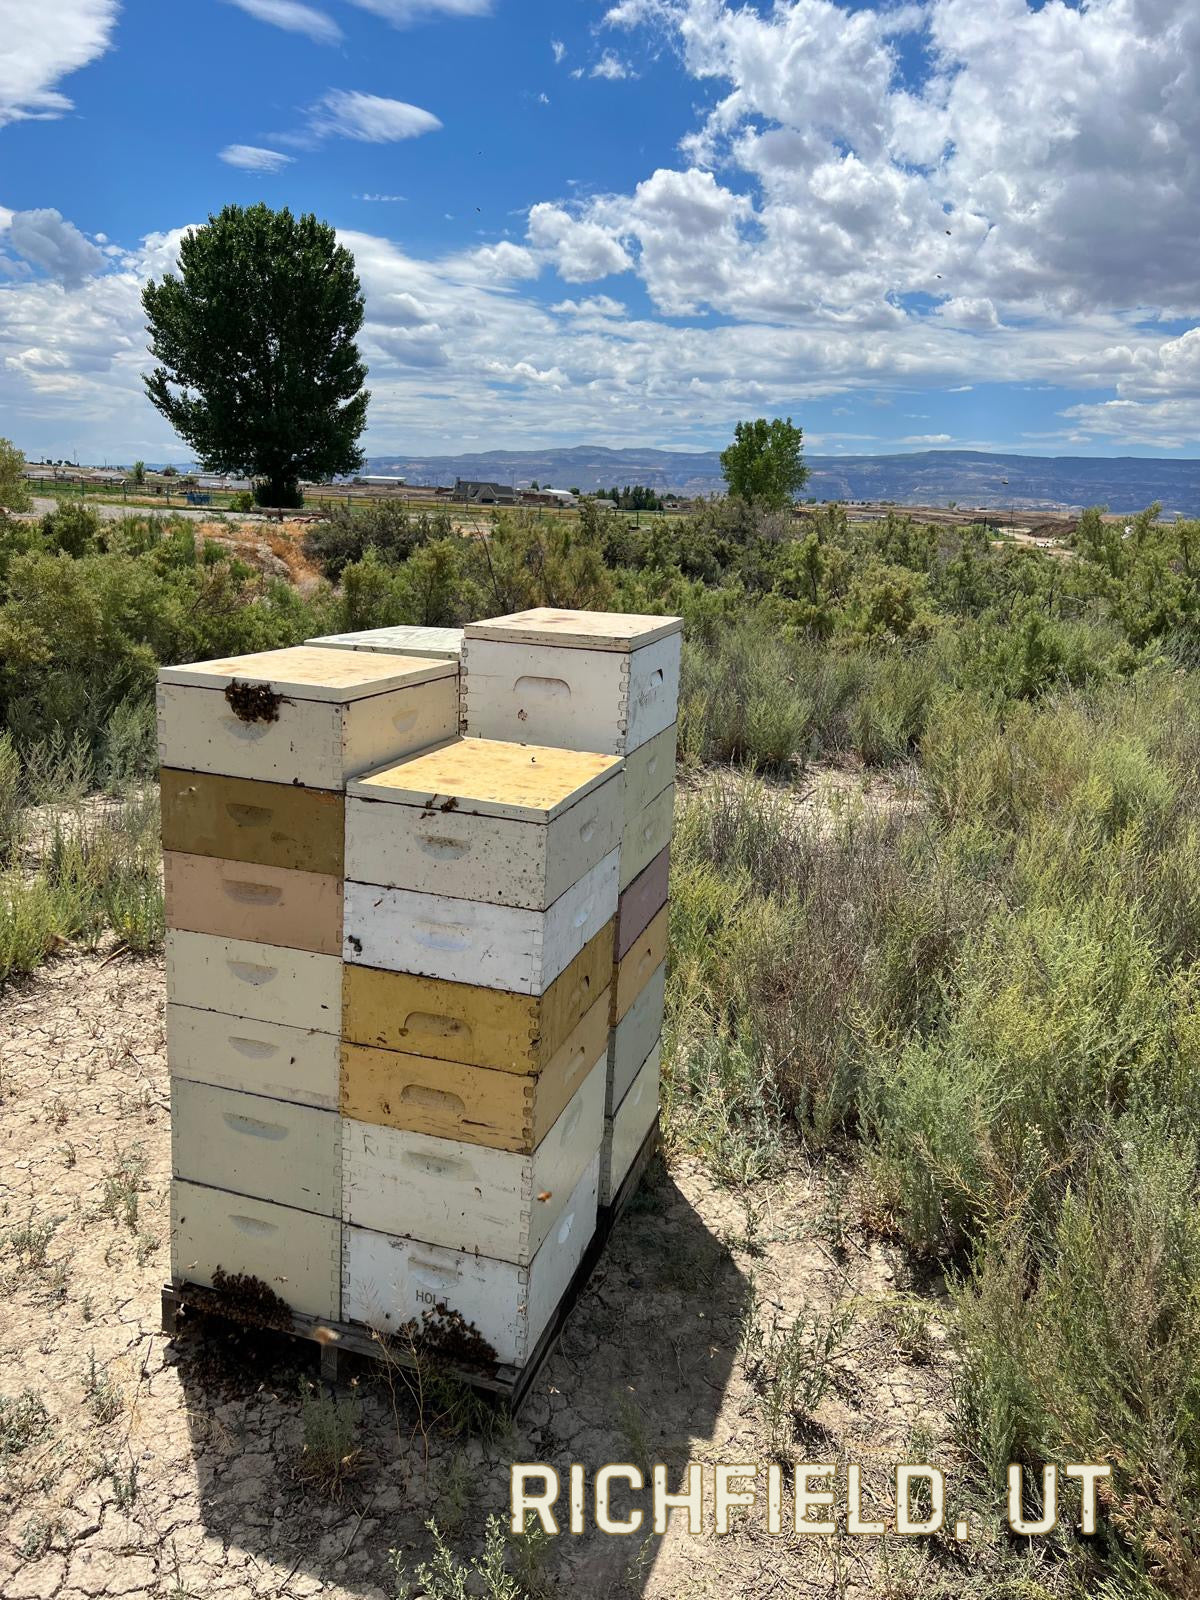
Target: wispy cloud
{"points": [[44, 44], [350, 114], [403, 12], [293, 16], [559, 49], [251, 158], [381, 199]]}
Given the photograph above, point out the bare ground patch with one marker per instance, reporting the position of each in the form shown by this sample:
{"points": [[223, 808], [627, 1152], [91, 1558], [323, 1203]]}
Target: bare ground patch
{"points": [[139, 1466]]}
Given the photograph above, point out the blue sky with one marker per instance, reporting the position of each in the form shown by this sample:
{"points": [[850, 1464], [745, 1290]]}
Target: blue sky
{"points": [[953, 223]]}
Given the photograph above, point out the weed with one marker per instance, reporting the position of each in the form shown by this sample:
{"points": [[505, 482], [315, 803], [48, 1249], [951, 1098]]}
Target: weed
{"points": [[100, 1393], [119, 1197], [24, 1420], [445, 1577], [330, 1457], [30, 1242], [793, 1368]]}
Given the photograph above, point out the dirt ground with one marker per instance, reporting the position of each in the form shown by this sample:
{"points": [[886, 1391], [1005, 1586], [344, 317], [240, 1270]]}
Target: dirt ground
{"points": [[131, 1464]]}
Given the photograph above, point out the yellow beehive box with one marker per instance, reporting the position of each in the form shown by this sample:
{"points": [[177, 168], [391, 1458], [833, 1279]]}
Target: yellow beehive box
{"points": [[243, 819], [478, 1105], [305, 715], [639, 964], [466, 1023], [484, 820]]}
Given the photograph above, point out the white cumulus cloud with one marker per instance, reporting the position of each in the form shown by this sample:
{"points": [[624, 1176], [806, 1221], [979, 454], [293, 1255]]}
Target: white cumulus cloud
{"points": [[48, 241]]}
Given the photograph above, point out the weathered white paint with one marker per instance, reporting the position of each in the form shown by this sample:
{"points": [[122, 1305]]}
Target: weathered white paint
{"points": [[604, 700], [473, 857], [250, 1145], [436, 644], [648, 771], [244, 978], [464, 941], [319, 743], [632, 1040], [583, 630], [265, 1058], [500, 1203], [647, 835], [295, 1253], [388, 1281], [626, 1130]]}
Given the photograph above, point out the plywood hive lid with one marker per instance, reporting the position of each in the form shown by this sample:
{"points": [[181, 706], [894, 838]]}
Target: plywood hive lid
{"points": [[578, 630], [443, 644], [491, 778], [307, 672]]}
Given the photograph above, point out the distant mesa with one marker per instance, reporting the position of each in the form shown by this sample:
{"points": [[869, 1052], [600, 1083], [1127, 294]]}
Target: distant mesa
{"points": [[927, 477]]}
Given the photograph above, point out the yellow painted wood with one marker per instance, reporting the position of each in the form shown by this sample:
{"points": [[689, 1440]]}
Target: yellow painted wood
{"points": [[534, 782], [467, 1023], [633, 973], [306, 672], [476, 1105], [242, 819]]}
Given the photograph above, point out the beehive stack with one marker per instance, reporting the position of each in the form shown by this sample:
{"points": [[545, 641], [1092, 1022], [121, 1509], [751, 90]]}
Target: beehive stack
{"points": [[255, 753], [480, 901], [591, 681]]}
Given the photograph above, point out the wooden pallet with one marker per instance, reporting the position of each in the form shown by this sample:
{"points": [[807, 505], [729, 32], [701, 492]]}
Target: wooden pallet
{"points": [[506, 1386]]}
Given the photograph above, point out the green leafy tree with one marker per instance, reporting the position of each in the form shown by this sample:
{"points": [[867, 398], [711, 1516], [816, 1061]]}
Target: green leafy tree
{"points": [[139, 473], [765, 462], [14, 491], [255, 339]]}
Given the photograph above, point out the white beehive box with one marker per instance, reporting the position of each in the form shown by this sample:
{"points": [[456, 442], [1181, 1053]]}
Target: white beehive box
{"points": [[295, 1253], [305, 715], [510, 824], [633, 1038], [580, 680], [489, 946], [626, 1130], [247, 978], [435, 644], [249, 1145], [388, 1281], [648, 771], [646, 835], [501, 1203], [265, 1058], [242, 900]]}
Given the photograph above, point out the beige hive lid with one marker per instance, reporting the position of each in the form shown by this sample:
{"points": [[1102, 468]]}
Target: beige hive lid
{"points": [[442, 644], [578, 630], [307, 672], [490, 778]]}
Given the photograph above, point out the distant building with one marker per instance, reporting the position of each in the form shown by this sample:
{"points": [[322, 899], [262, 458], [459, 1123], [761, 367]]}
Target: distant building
{"points": [[547, 497], [468, 492], [389, 479]]}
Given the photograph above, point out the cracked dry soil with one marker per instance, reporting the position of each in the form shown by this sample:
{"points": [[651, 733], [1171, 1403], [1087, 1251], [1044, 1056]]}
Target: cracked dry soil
{"points": [[133, 1465]]}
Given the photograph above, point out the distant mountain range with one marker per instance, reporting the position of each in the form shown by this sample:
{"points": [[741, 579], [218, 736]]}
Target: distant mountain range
{"points": [[928, 477]]}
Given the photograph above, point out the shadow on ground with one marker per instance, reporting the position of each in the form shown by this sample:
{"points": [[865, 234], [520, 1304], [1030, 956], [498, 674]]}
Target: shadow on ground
{"points": [[638, 1375]]}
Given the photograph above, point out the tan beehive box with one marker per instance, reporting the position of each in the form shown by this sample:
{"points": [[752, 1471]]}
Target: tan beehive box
{"points": [[240, 900], [437, 644], [483, 820], [582, 680], [463, 1022], [304, 715], [479, 1105]]}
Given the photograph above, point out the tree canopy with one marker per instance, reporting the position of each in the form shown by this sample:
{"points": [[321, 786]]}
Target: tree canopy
{"points": [[258, 368], [14, 491], [765, 462]]}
